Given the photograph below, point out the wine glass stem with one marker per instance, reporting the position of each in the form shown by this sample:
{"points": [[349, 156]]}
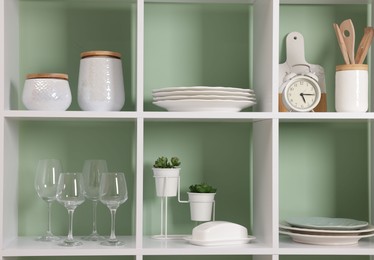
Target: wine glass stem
{"points": [[70, 235], [94, 228], [49, 232], [113, 225]]}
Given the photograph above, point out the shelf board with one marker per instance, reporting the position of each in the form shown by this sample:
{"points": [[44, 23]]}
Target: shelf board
{"points": [[181, 247], [70, 115], [325, 2], [203, 1], [28, 246], [208, 116], [186, 116], [323, 116]]}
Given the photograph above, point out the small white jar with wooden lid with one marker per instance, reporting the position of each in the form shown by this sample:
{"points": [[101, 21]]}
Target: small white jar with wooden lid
{"points": [[46, 91], [100, 83]]}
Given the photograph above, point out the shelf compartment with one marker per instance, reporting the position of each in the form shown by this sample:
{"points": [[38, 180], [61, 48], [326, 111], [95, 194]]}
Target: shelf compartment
{"points": [[216, 153], [324, 170], [320, 43], [72, 142], [52, 34], [189, 44]]}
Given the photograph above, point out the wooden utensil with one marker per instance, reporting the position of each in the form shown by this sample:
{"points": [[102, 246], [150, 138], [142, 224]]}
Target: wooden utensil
{"points": [[348, 31], [341, 42], [364, 45]]}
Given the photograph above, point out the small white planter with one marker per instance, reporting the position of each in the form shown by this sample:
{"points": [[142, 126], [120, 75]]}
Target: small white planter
{"points": [[201, 205], [166, 181]]}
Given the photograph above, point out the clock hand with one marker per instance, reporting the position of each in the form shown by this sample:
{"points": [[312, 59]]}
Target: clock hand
{"points": [[302, 95], [305, 94]]}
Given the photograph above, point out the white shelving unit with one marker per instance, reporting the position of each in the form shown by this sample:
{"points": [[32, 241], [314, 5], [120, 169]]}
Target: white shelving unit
{"points": [[265, 121]]}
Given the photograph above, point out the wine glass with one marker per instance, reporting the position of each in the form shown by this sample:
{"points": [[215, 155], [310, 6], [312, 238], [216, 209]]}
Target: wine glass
{"points": [[91, 176], [113, 192], [70, 194], [45, 183]]}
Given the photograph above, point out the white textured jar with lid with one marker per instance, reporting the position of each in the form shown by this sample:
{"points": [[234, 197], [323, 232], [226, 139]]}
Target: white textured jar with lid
{"points": [[46, 91], [100, 84]]}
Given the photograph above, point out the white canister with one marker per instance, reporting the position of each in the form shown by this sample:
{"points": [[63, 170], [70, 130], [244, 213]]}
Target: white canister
{"points": [[351, 88], [46, 91], [100, 84]]}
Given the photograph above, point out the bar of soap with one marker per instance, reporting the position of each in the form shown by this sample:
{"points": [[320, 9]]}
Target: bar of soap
{"points": [[219, 230]]}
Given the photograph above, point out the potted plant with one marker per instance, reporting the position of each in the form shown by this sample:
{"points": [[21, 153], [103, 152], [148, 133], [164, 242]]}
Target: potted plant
{"points": [[166, 174], [201, 199]]}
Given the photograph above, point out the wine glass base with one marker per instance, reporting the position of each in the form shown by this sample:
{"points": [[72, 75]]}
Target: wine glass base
{"points": [[70, 243], [93, 237], [112, 243], [48, 238]]}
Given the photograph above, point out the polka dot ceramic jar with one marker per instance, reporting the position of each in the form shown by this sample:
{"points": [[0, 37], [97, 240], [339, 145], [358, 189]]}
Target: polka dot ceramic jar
{"points": [[46, 91]]}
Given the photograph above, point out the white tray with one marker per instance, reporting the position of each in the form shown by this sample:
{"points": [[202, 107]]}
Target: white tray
{"points": [[219, 242]]}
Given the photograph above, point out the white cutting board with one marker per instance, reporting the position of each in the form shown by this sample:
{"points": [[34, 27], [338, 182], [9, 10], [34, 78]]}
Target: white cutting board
{"points": [[296, 62]]}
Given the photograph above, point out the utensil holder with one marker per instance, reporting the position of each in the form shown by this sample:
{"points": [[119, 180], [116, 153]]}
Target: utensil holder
{"points": [[351, 88]]}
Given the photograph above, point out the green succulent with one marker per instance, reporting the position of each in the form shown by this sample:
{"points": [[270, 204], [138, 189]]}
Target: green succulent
{"points": [[163, 162], [202, 188]]}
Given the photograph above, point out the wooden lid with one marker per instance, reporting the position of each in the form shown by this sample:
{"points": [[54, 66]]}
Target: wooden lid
{"points": [[352, 67], [47, 75], [101, 53]]}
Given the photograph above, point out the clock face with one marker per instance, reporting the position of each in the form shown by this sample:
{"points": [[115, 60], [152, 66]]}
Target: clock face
{"points": [[302, 94]]}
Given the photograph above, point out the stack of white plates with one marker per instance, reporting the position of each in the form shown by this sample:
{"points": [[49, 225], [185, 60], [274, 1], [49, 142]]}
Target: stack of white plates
{"points": [[326, 231], [204, 99]]}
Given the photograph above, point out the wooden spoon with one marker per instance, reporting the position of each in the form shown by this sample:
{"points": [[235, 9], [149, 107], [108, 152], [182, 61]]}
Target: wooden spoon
{"points": [[364, 46], [348, 31], [341, 42]]}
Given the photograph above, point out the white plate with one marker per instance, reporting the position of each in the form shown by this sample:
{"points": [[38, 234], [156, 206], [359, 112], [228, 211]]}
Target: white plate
{"points": [[287, 227], [201, 88], [202, 92], [219, 242], [222, 97], [326, 223], [337, 240], [196, 105]]}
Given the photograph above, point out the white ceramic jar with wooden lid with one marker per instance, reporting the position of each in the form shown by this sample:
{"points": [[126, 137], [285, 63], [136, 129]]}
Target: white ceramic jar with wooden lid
{"points": [[46, 91], [100, 83]]}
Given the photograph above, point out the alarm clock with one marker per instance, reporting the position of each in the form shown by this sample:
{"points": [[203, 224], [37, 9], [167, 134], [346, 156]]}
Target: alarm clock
{"points": [[302, 86], [301, 92]]}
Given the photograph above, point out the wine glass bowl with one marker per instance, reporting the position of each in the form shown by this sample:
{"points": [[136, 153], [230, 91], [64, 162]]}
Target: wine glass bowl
{"points": [[70, 193], [113, 193], [45, 184], [91, 176]]}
